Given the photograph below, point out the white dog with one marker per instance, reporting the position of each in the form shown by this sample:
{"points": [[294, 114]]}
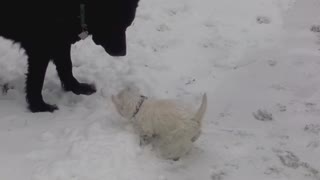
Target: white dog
{"points": [[169, 126]]}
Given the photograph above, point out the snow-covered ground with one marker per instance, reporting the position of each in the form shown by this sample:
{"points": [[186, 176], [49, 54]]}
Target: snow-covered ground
{"points": [[258, 61]]}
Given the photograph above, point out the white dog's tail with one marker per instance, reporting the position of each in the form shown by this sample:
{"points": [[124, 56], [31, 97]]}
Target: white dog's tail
{"points": [[201, 111]]}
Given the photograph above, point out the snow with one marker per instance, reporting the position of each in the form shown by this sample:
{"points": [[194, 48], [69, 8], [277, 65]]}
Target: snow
{"points": [[257, 60]]}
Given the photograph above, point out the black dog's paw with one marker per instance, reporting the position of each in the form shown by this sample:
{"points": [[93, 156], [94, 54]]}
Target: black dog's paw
{"points": [[42, 107], [82, 88]]}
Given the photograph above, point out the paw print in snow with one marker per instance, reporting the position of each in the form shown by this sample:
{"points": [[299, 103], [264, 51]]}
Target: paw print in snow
{"points": [[282, 108], [218, 175], [163, 28], [190, 82], [315, 28], [313, 144], [311, 107], [273, 171], [272, 63], [263, 115], [209, 24], [289, 159], [312, 128], [263, 20]]}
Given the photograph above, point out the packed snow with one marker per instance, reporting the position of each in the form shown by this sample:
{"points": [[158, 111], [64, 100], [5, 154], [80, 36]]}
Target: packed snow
{"points": [[257, 60]]}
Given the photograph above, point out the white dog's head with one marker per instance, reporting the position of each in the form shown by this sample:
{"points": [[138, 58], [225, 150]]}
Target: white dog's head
{"points": [[126, 101]]}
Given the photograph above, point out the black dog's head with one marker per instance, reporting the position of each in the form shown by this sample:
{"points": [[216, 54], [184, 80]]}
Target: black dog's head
{"points": [[108, 21]]}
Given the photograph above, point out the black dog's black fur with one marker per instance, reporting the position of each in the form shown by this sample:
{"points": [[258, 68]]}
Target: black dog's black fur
{"points": [[46, 30]]}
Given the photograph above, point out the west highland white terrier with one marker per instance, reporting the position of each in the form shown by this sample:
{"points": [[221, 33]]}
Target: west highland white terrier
{"points": [[171, 127]]}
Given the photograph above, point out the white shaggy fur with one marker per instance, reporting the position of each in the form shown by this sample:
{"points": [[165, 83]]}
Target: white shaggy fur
{"points": [[170, 127]]}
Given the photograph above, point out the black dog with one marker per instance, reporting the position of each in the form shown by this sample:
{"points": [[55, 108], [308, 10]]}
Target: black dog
{"points": [[46, 30]]}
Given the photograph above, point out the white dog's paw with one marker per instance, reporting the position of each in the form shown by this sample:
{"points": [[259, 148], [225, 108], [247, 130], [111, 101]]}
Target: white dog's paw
{"points": [[145, 140]]}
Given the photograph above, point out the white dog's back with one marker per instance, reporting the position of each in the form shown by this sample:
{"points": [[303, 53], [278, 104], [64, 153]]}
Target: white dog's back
{"points": [[178, 125], [170, 115], [163, 116]]}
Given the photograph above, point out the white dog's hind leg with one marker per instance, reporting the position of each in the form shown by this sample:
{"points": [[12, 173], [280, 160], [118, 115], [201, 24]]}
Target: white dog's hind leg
{"points": [[145, 133]]}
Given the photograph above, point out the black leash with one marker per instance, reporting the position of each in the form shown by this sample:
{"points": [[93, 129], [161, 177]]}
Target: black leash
{"points": [[84, 34]]}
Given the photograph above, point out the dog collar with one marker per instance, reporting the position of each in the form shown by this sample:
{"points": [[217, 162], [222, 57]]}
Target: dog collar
{"points": [[142, 99]]}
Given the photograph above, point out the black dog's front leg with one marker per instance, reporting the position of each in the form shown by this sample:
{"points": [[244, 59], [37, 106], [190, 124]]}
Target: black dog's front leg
{"points": [[37, 66], [63, 64]]}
